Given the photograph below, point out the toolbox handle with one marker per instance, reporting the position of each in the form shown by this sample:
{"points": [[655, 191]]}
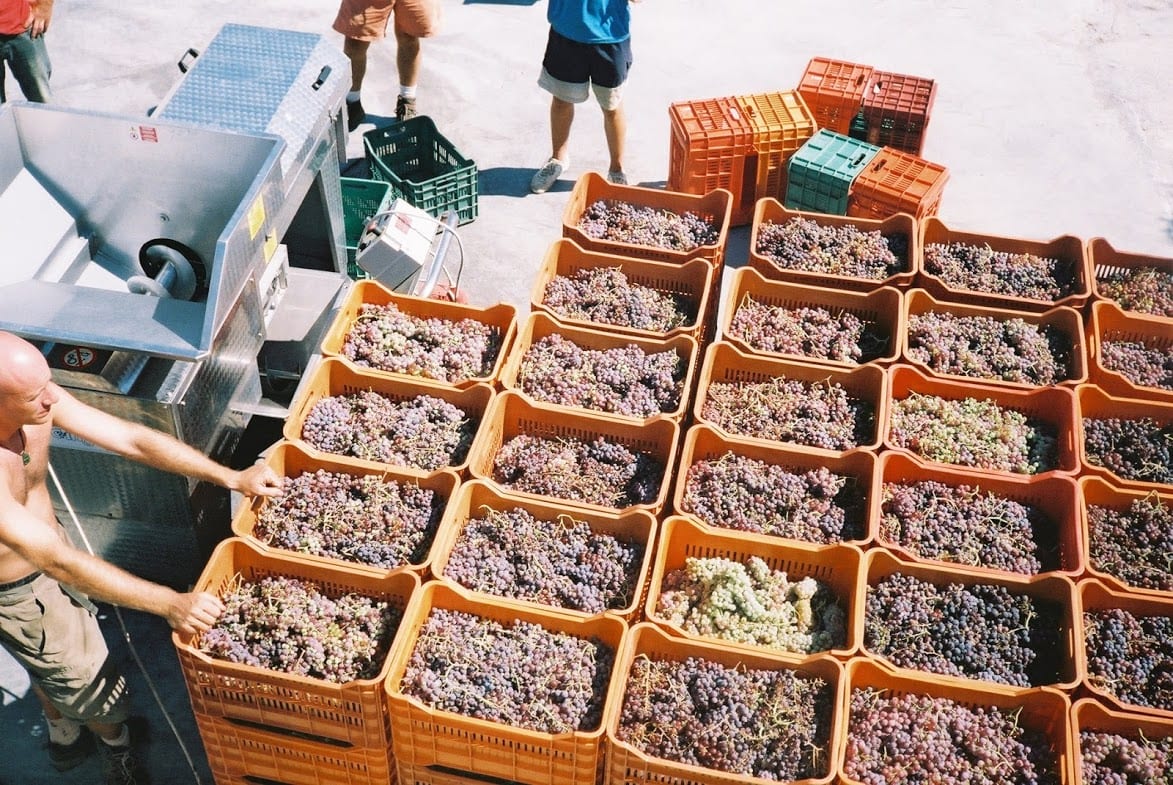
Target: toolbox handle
{"points": [[323, 75], [183, 64]]}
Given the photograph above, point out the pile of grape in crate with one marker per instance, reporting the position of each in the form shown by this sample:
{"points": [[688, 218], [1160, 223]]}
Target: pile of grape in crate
{"points": [[1139, 363], [616, 220], [1111, 758], [845, 250], [1136, 449], [810, 331], [1143, 289], [1130, 656], [605, 295], [984, 347], [983, 269], [1134, 544]]}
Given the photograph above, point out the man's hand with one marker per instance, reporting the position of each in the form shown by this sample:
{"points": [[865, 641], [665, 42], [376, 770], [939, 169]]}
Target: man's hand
{"points": [[194, 612], [257, 480], [39, 15]]}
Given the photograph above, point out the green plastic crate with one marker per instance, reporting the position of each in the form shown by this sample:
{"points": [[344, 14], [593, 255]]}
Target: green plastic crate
{"points": [[821, 172], [423, 167], [361, 199]]}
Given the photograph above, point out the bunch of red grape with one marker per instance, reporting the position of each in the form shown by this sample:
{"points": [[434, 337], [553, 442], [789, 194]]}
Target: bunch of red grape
{"points": [[980, 268], [605, 295], [1142, 364], [615, 220], [1136, 449], [805, 245], [1133, 544], [1114, 759], [984, 347], [1130, 656], [811, 331], [1142, 289]]}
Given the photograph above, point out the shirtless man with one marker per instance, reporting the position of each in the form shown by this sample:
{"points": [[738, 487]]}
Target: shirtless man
{"points": [[48, 628]]}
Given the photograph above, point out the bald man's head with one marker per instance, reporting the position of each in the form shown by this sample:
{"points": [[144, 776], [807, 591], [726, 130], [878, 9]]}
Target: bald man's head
{"points": [[26, 395]]}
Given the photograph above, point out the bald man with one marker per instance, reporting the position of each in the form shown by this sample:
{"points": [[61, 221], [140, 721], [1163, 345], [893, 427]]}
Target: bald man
{"points": [[48, 628]]}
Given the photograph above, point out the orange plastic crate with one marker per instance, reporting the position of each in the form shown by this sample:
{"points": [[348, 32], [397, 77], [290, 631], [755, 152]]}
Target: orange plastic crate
{"points": [[1091, 595], [693, 282], [540, 325], [1068, 249], [880, 309], [502, 318], [782, 123], [834, 91], [712, 146], [899, 227], [836, 566], [1094, 403], [1064, 320], [1111, 323], [289, 460], [896, 109], [897, 182], [878, 564], [353, 714], [725, 363], [1041, 709], [1088, 714], [334, 376], [1097, 492], [1056, 497], [476, 497], [425, 737], [706, 443], [1053, 406], [512, 414], [1108, 264], [627, 765], [716, 206]]}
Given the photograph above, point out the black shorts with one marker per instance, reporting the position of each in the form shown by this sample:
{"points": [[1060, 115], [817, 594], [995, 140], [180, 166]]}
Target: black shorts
{"points": [[604, 65]]}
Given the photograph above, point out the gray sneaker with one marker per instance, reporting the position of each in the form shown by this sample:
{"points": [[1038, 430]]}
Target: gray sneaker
{"points": [[617, 178], [545, 177]]}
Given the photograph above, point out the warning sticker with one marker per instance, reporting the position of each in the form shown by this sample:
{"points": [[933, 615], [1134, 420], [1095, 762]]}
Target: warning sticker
{"points": [[256, 218]]}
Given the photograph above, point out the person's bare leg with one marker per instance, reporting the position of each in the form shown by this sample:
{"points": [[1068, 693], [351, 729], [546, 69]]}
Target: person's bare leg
{"points": [[407, 58], [561, 118], [615, 128], [356, 52]]}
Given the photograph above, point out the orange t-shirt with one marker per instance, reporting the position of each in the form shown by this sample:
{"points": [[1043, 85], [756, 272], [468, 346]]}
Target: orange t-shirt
{"points": [[14, 16]]}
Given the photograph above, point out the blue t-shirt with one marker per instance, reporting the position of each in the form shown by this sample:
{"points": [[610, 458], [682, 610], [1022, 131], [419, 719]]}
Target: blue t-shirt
{"points": [[590, 21]]}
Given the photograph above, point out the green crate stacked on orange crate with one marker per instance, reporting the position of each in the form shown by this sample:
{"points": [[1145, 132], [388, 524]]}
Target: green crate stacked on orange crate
{"points": [[897, 182], [834, 91], [822, 173], [895, 111]]}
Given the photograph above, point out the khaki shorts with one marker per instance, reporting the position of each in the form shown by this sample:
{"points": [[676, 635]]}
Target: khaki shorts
{"points": [[61, 646], [366, 20]]}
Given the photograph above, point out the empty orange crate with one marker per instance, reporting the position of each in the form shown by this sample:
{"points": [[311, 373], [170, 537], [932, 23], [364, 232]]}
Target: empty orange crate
{"points": [[1093, 403], [692, 282], [716, 206], [424, 737], [1091, 596], [835, 566], [897, 182], [706, 443], [1052, 406], [1097, 492], [782, 123], [628, 765], [834, 91], [1041, 709], [880, 310], [901, 229], [712, 146], [1062, 319], [289, 460], [512, 414], [540, 325], [1089, 715], [352, 714], [896, 110], [1056, 497], [878, 564], [1108, 264], [1110, 323], [724, 363], [334, 377], [1068, 249], [477, 497], [501, 318]]}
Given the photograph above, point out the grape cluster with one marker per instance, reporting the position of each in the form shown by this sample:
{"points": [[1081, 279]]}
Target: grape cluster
{"points": [[1114, 759], [623, 380], [818, 414], [808, 246], [1139, 363], [291, 625], [1142, 289], [972, 432], [895, 737], [618, 221], [599, 472], [981, 631], [423, 432], [738, 492], [563, 562], [966, 525], [357, 518], [519, 674], [811, 331], [984, 347], [980, 268], [387, 339], [1133, 544], [747, 602], [605, 295], [769, 724], [1136, 449], [1130, 656]]}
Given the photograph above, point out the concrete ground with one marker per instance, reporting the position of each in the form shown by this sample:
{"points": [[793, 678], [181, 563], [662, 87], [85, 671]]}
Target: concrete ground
{"points": [[1053, 118]]}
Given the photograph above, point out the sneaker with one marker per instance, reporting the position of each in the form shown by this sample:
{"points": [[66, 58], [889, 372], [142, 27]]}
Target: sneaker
{"points": [[66, 756], [122, 765], [545, 177], [617, 178], [355, 114], [404, 108]]}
